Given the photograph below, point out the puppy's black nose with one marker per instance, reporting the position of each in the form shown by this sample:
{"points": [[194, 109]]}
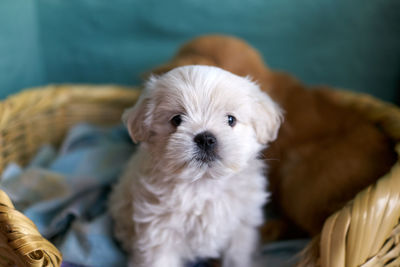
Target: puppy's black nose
{"points": [[206, 141]]}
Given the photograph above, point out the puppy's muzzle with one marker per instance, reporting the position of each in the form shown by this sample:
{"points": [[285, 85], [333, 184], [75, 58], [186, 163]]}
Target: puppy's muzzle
{"points": [[207, 144]]}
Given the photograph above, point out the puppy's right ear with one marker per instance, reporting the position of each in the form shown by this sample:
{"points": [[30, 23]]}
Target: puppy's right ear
{"points": [[137, 121], [138, 118]]}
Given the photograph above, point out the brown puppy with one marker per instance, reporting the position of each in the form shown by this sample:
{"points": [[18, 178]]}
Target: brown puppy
{"points": [[324, 153]]}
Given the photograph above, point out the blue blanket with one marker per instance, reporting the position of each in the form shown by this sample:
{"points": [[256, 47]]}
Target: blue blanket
{"points": [[65, 193], [70, 209]]}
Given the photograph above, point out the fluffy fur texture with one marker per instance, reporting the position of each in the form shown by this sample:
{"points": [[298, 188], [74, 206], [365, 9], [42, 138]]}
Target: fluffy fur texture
{"points": [[324, 153], [172, 205]]}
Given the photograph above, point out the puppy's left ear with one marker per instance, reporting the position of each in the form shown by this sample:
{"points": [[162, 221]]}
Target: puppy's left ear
{"points": [[267, 118]]}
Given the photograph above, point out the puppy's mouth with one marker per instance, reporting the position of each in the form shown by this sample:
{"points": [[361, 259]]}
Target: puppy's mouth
{"points": [[204, 157]]}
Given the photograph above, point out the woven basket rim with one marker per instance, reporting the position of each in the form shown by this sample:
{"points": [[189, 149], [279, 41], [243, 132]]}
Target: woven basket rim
{"points": [[54, 96]]}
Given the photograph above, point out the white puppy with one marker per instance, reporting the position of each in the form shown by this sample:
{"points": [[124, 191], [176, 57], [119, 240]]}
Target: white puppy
{"points": [[196, 186]]}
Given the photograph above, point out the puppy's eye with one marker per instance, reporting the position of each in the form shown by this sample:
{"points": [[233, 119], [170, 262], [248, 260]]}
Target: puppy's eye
{"points": [[231, 120], [176, 120]]}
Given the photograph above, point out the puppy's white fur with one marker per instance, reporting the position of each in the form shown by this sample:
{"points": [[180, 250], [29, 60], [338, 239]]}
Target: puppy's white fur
{"points": [[169, 207]]}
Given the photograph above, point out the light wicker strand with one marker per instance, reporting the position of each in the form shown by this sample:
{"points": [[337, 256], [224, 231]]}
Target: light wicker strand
{"points": [[21, 243]]}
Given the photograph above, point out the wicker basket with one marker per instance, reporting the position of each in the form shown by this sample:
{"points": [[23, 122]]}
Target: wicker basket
{"points": [[364, 233]]}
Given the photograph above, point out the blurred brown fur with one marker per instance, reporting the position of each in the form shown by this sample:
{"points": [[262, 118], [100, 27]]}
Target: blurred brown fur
{"points": [[324, 154]]}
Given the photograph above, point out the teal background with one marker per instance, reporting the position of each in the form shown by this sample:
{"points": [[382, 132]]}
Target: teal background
{"points": [[350, 44]]}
